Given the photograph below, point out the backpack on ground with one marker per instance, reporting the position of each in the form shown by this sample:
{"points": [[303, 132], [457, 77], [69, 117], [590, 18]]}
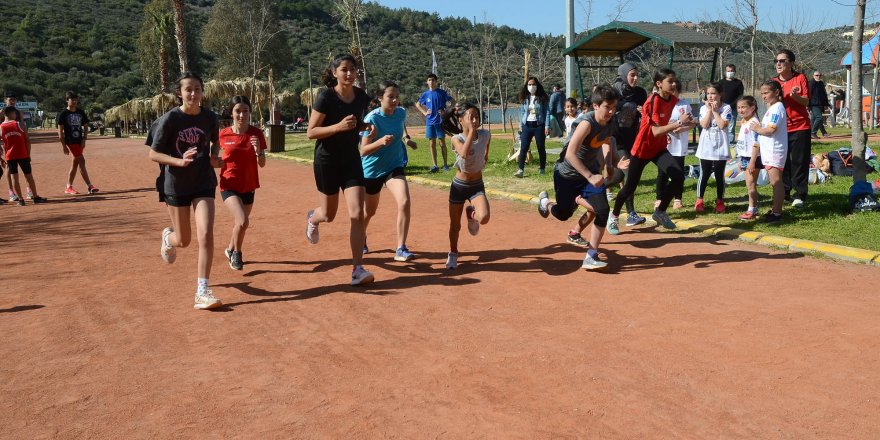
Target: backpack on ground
{"points": [[861, 198]]}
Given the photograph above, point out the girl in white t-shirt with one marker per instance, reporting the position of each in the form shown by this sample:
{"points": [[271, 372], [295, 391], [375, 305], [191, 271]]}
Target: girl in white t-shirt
{"points": [[571, 113], [713, 149], [773, 143], [746, 149], [677, 144]]}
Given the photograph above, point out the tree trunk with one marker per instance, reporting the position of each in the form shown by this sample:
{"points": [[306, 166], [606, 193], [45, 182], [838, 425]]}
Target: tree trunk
{"points": [[163, 69], [859, 138], [754, 8], [180, 34]]}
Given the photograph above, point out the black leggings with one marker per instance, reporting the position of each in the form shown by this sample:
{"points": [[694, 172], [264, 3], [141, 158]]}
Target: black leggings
{"points": [[630, 202], [666, 163], [706, 168], [663, 180]]}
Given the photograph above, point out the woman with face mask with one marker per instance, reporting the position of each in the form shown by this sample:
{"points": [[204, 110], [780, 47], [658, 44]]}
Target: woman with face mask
{"points": [[534, 123]]}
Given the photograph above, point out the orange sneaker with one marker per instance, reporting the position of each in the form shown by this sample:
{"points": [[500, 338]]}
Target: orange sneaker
{"points": [[719, 207], [699, 206], [70, 190]]}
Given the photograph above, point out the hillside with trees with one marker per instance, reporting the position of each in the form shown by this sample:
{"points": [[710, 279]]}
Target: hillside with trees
{"points": [[111, 55]]}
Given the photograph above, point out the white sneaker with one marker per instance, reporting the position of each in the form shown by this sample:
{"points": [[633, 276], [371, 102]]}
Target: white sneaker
{"points": [[166, 250], [311, 229], [361, 276], [473, 224], [541, 210], [205, 299], [452, 260], [797, 203]]}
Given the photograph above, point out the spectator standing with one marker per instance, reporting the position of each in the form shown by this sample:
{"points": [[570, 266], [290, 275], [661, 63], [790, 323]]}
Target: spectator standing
{"points": [[432, 104], [796, 96], [731, 91], [818, 103], [557, 106]]}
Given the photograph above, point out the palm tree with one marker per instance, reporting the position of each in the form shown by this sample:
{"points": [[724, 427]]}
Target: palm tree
{"points": [[180, 33], [161, 24], [350, 13]]}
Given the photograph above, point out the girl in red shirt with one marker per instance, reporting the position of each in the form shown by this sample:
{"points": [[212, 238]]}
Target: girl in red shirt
{"points": [[650, 146], [244, 147]]}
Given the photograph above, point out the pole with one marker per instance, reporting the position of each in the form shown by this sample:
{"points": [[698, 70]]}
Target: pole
{"points": [[311, 96], [570, 62], [859, 138]]}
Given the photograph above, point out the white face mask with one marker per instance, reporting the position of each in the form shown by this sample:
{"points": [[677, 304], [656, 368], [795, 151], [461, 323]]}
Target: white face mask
{"points": [[729, 75], [533, 89]]}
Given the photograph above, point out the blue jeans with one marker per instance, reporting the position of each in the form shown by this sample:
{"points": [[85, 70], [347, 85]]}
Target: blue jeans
{"points": [[530, 130]]}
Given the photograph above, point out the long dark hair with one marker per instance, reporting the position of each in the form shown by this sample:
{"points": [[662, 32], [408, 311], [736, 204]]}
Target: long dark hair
{"points": [[540, 94], [452, 121], [327, 77], [775, 87], [661, 74]]}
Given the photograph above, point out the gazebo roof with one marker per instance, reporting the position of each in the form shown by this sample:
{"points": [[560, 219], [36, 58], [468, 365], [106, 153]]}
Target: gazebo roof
{"points": [[619, 37]]}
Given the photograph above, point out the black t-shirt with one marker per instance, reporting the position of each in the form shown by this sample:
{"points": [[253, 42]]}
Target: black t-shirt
{"points": [[173, 134], [731, 90], [340, 145], [73, 122]]}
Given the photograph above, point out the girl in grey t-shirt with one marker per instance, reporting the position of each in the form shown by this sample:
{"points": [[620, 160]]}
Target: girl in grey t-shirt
{"points": [[471, 146]]}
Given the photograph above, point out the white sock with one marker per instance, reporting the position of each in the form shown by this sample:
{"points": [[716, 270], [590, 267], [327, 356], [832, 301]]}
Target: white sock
{"points": [[202, 284]]}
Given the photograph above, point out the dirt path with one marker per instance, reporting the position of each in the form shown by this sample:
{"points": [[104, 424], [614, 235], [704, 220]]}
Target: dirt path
{"points": [[684, 337]]}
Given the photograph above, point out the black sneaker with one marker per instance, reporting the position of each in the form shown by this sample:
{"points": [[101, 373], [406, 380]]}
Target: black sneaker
{"points": [[235, 260], [577, 240], [3, 201], [38, 199], [771, 217], [19, 202]]}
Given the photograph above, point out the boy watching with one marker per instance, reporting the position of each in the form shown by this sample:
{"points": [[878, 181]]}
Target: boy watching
{"points": [[73, 127], [17, 153], [432, 104]]}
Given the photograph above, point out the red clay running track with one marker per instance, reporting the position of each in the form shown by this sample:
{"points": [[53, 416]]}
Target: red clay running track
{"points": [[684, 337]]}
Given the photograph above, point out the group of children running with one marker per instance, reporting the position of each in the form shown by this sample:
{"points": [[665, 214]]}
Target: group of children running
{"points": [[359, 151], [661, 138]]}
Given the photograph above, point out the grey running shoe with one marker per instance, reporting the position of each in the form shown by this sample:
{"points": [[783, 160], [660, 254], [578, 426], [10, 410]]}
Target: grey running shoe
{"points": [[403, 254], [591, 263], [361, 276], [663, 219]]}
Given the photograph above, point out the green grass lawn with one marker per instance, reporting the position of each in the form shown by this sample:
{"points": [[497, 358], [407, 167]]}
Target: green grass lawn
{"points": [[824, 218]]}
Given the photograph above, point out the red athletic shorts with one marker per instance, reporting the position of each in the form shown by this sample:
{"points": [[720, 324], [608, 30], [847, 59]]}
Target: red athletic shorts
{"points": [[75, 149]]}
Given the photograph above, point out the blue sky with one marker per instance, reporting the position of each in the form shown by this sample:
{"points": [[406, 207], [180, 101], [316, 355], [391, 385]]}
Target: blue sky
{"points": [[549, 16]]}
